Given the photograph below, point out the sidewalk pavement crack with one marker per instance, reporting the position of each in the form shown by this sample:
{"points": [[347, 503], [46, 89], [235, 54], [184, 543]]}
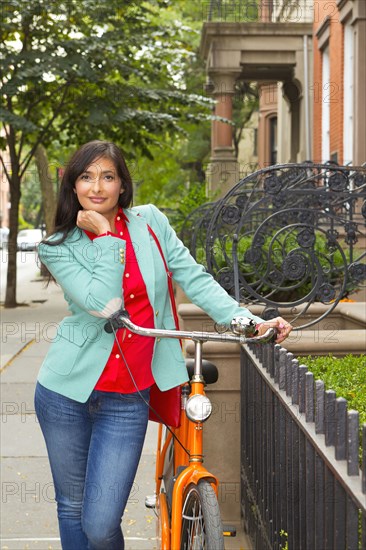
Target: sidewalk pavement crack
{"points": [[26, 346]]}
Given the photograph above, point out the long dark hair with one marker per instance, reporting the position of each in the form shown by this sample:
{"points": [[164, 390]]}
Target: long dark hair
{"points": [[68, 205]]}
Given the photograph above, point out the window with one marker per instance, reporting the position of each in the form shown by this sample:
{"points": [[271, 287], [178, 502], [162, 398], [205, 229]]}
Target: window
{"points": [[348, 77], [255, 141], [326, 93], [273, 140]]}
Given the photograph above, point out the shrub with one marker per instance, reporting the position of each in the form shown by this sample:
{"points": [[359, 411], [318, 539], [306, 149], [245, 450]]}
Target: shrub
{"points": [[345, 375]]}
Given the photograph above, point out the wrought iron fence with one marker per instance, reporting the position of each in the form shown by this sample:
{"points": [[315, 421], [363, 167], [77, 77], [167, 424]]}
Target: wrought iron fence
{"points": [[194, 231], [285, 237], [302, 487]]}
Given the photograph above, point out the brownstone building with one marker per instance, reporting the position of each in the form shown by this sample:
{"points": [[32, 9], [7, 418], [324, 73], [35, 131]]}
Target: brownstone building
{"points": [[272, 47], [308, 58]]}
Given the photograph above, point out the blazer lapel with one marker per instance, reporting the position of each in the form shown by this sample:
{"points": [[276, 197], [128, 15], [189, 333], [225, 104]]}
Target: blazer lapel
{"points": [[140, 238]]}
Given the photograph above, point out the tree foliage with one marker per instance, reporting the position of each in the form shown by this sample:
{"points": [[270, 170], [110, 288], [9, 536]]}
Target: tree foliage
{"points": [[176, 172], [114, 71], [85, 69]]}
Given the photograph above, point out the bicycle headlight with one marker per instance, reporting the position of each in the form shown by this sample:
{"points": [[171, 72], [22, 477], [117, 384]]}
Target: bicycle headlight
{"points": [[198, 408]]}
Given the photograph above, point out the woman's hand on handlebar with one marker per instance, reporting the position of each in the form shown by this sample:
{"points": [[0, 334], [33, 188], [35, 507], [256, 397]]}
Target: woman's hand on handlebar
{"points": [[283, 328]]}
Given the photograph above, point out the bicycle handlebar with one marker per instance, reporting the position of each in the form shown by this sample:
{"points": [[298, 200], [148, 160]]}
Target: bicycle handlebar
{"points": [[120, 320]]}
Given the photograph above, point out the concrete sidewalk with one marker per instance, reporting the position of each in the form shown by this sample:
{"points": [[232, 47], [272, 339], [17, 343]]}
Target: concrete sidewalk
{"points": [[28, 510]]}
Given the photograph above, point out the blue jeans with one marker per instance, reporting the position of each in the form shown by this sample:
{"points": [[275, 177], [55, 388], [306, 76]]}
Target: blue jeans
{"points": [[94, 449]]}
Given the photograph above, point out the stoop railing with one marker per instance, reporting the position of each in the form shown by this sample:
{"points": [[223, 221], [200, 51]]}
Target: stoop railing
{"points": [[301, 484], [286, 237]]}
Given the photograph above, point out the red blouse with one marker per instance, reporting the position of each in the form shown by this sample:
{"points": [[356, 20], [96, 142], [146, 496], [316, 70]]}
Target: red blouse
{"points": [[137, 350]]}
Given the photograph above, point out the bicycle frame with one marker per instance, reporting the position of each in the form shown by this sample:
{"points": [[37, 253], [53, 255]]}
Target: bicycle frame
{"points": [[189, 432]]}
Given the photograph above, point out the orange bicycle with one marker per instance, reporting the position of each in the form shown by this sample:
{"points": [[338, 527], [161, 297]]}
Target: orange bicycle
{"points": [[185, 499]]}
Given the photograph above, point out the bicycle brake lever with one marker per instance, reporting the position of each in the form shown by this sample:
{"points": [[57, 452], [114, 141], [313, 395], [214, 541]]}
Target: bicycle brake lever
{"points": [[116, 321]]}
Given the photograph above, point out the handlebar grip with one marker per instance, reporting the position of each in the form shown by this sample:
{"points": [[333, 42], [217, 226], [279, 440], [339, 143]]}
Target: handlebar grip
{"points": [[116, 321], [268, 337], [274, 336]]}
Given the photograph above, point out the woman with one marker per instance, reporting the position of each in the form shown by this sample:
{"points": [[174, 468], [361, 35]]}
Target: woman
{"points": [[104, 257]]}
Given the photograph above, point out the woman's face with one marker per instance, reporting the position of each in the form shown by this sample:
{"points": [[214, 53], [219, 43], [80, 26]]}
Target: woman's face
{"points": [[98, 188]]}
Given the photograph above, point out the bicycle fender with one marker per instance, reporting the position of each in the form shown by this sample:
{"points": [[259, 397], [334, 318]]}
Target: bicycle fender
{"points": [[192, 474], [197, 475]]}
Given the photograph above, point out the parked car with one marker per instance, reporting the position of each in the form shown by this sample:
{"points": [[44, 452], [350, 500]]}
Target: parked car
{"points": [[4, 237], [29, 239]]}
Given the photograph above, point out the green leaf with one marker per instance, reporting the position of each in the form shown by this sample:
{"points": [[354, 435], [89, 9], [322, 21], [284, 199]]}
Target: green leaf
{"points": [[17, 122]]}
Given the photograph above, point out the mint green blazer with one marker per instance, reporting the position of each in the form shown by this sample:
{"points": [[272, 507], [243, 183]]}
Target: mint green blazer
{"points": [[90, 274]]}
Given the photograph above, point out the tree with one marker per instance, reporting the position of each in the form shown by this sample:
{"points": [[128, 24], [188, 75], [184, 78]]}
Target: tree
{"points": [[84, 70], [48, 192]]}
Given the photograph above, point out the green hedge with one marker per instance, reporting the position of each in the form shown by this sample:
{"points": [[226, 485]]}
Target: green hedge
{"points": [[345, 375]]}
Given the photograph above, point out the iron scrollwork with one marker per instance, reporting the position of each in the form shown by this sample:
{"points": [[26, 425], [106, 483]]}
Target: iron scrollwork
{"points": [[288, 236], [194, 231]]}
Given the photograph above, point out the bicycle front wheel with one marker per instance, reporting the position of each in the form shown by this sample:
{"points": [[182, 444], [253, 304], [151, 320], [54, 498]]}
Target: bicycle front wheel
{"points": [[201, 521]]}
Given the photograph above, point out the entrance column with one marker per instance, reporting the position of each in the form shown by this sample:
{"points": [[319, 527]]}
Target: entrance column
{"points": [[223, 169]]}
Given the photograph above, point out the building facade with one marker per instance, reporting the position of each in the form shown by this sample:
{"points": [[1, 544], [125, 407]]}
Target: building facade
{"points": [[308, 58], [339, 90], [271, 46]]}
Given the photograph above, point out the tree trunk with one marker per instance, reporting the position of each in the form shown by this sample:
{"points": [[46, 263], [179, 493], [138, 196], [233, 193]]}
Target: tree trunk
{"points": [[11, 281], [47, 189]]}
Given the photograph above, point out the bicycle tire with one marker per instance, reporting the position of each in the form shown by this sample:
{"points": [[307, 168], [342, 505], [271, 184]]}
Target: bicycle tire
{"points": [[201, 520]]}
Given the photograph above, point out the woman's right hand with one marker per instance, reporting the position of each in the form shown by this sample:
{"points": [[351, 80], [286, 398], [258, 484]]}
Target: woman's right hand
{"points": [[93, 221]]}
